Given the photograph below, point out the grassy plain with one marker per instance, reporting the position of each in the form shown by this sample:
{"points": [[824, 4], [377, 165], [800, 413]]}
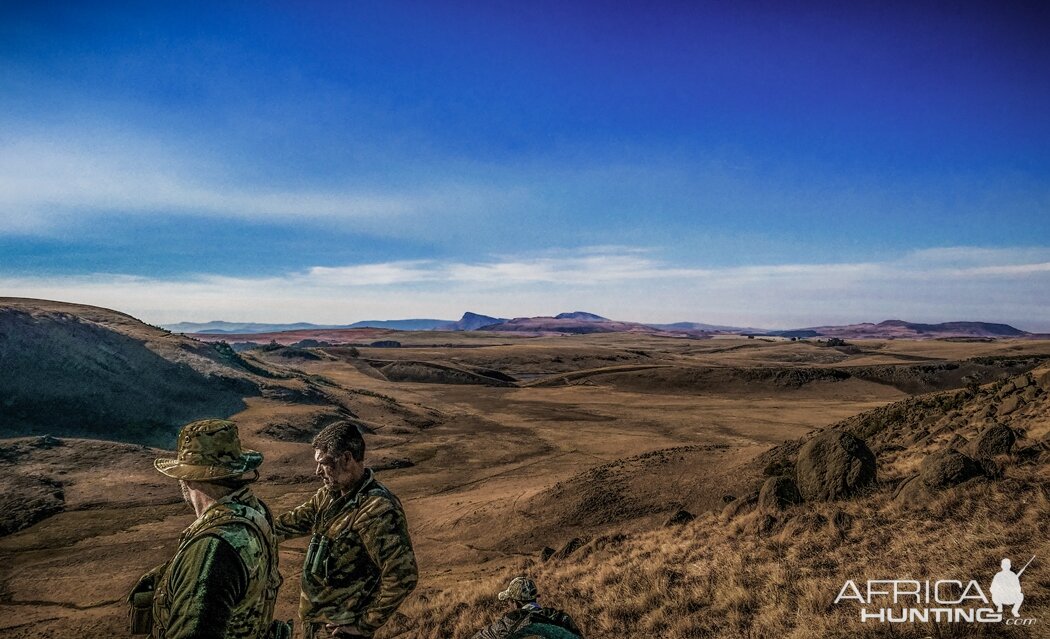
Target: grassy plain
{"points": [[600, 438]]}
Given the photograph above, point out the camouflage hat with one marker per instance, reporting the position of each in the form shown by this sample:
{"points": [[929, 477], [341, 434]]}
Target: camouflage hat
{"points": [[209, 449], [520, 589]]}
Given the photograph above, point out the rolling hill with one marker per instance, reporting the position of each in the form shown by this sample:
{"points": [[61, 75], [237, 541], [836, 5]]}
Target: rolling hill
{"points": [[76, 370]]}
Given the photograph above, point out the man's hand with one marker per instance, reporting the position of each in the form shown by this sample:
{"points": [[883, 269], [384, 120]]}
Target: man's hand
{"points": [[338, 632]]}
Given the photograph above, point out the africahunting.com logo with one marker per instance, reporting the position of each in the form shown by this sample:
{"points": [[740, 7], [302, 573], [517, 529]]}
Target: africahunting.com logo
{"points": [[940, 601]]}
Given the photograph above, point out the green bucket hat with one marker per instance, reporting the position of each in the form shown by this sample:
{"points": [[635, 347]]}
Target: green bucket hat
{"points": [[520, 589], [209, 449]]}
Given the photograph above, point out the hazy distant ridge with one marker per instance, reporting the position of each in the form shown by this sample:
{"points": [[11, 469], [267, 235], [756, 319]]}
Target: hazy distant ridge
{"points": [[901, 329], [242, 328], [584, 322]]}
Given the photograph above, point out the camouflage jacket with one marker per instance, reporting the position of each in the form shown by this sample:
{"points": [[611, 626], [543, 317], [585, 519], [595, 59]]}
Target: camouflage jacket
{"points": [[223, 580], [360, 565], [526, 616]]}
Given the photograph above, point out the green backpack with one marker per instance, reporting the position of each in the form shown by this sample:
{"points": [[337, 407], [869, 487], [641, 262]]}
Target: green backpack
{"points": [[538, 630]]}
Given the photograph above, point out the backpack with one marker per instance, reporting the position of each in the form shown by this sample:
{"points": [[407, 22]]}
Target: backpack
{"points": [[539, 630]]}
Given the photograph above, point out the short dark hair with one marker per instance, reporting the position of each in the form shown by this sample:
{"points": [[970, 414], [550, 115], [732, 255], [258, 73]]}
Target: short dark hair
{"points": [[341, 437]]}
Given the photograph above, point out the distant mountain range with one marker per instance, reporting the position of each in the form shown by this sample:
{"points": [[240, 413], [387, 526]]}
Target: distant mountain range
{"points": [[899, 329], [582, 322], [572, 323], [249, 328], [402, 325], [469, 322], [708, 328]]}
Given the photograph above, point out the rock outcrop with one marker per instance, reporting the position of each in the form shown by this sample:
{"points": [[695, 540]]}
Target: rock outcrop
{"points": [[778, 493], [992, 441], [680, 517], [948, 468], [833, 465]]}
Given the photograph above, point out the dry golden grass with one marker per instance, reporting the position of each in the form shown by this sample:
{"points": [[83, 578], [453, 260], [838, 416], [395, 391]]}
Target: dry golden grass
{"points": [[490, 465], [723, 578]]}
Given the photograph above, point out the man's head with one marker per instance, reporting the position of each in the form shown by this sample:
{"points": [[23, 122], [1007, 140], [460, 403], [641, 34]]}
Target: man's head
{"points": [[521, 590], [1005, 563], [339, 451], [210, 463], [210, 450]]}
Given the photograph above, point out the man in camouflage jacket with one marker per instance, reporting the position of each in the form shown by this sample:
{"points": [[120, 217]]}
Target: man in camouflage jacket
{"points": [[528, 618], [359, 565], [222, 582]]}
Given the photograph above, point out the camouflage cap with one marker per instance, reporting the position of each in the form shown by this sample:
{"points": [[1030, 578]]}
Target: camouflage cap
{"points": [[520, 589], [209, 449]]}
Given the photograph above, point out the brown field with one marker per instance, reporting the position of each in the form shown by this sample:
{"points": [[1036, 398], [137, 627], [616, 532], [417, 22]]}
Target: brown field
{"points": [[598, 438]]}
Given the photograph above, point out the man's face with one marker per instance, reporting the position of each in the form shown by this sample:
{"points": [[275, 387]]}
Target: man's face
{"points": [[338, 471]]}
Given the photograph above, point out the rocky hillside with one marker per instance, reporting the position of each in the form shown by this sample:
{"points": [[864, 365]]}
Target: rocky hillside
{"points": [[83, 371], [938, 486], [905, 433]]}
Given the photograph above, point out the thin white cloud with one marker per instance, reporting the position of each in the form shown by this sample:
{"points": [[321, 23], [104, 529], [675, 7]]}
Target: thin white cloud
{"points": [[383, 274], [47, 184], [976, 256], [616, 282], [1010, 270], [588, 269]]}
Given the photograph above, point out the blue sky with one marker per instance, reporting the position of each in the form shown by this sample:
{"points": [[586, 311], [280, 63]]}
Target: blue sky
{"points": [[774, 164]]}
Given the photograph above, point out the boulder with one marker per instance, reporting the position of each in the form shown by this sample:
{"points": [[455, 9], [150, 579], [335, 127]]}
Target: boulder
{"points": [[947, 468], [1042, 378], [833, 465], [740, 505], [995, 440], [991, 468], [958, 442], [1010, 404], [777, 494], [546, 553], [1037, 453], [680, 517]]}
